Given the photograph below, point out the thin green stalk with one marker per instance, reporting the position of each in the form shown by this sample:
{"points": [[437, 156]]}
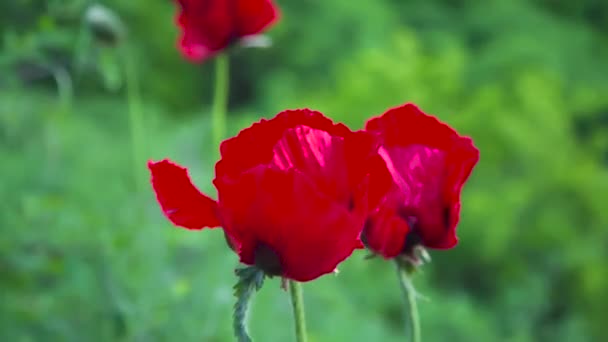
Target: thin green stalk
{"points": [[65, 91], [65, 94], [409, 294], [297, 303], [250, 280], [136, 124], [220, 99]]}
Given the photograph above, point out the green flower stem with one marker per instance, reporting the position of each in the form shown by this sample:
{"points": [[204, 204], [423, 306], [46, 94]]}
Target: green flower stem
{"points": [[298, 310], [136, 124], [65, 91], [409, 294], [54, 125], [220, 99], [250, 280]]}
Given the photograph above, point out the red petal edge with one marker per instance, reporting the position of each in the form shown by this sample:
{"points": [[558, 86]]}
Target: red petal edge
{"points": [[253, 16], [407, 124], [206, 28], [254, 145], [182, 203]]}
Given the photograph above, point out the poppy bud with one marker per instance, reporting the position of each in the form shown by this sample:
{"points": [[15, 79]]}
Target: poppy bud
{"points": [[105, 25]]}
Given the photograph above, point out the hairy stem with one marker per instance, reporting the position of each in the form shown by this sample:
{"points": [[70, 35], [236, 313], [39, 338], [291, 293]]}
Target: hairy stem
{"points": [[409, 294], [250, 280]]}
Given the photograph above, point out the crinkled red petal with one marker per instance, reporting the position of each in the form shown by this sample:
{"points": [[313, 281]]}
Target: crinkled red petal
{"points": [[429, 163], [385, 231], [180, 200], [310, 232], [318, 155], [407, 124], [254, 145], [419, 176], [460, 161]]}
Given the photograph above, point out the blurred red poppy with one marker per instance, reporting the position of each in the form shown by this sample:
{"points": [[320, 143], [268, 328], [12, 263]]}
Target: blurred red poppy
{"points": [[428, 163], [209, 26], [292, 193]]}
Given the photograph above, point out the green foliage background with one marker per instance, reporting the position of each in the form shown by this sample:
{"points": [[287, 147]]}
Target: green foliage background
{"points": [[83, 257]]}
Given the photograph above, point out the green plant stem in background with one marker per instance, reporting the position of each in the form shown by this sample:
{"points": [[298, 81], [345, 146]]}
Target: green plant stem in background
{"points": [[65, 90], [136, 124], [220, 99], [65, 95], [409, 294], [297, 303]]}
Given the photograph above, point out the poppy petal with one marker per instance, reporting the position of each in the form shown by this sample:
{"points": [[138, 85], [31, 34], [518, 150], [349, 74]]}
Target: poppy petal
{"points": [[254, 145], [317, 154], [407, 124], [253, 16], [206, 27], [385, 232], [180, 200], [428, 162], [309, 232], [209, 26], [419, 176]]}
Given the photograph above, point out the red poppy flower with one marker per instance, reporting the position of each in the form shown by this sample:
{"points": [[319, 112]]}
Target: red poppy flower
{"points": [[292, 193], [209, 26], [428, 163]]}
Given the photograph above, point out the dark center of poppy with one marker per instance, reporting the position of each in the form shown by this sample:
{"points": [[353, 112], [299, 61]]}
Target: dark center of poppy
{"points": [[413, 237], [266, 259]]}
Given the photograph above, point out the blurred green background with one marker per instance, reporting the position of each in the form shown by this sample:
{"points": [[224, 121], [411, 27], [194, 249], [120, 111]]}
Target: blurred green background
{"points": [[85, 257]]}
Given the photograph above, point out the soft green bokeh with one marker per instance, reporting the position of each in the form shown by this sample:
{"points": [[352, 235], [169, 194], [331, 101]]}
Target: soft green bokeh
{"points": [[84, 258]]}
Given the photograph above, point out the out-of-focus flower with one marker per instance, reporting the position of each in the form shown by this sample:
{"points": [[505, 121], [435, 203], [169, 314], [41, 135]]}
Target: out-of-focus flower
{"points": [[209, 26], [293, 193], [428, 163]]}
